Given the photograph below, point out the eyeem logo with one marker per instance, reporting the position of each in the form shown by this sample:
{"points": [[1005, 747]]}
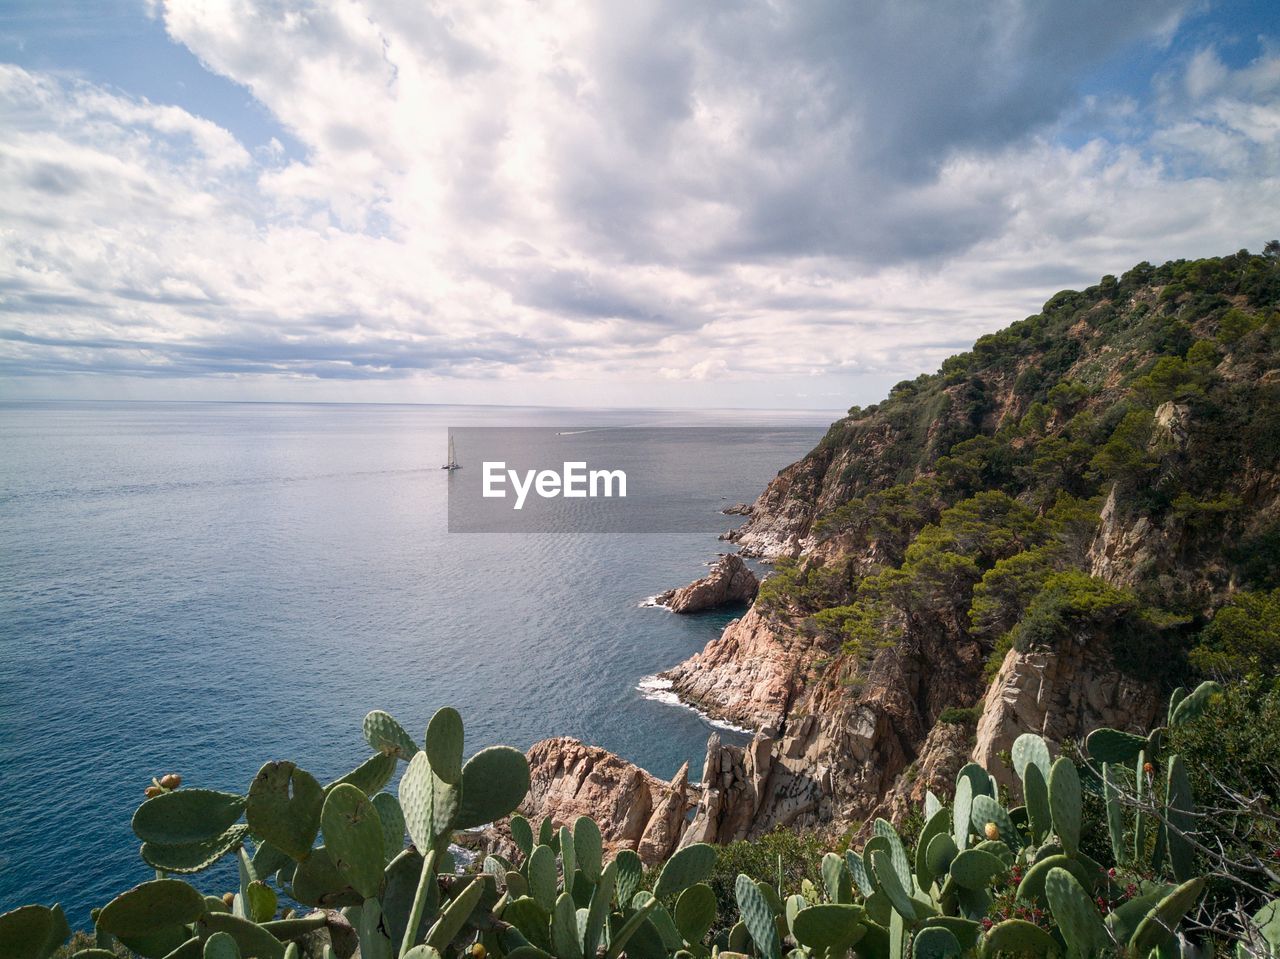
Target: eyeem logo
{"points": [[574, 482]]}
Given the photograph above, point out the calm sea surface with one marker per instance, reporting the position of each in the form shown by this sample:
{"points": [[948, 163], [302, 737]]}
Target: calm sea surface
{"points": [[201, 587]]}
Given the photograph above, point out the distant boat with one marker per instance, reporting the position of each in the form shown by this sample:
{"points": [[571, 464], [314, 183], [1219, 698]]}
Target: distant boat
{"points": [[453, 463]]}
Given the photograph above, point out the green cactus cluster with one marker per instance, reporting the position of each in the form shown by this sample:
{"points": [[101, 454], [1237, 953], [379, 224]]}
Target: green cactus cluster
{"points": [[377, 871]]}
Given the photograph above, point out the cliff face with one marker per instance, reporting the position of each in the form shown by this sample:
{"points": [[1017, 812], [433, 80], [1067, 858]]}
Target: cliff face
{"points": [[1027, 540]]}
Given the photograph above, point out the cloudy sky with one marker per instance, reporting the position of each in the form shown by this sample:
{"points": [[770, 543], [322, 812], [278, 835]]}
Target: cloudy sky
{"points": [[760, 204]]}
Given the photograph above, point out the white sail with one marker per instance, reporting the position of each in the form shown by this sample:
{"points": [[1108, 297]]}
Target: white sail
{"points": [[452, 463]]}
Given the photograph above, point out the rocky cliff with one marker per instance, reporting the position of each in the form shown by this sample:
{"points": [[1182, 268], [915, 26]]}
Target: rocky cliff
{"points": [[634, 809], [1029, 539], [1026, 540]]}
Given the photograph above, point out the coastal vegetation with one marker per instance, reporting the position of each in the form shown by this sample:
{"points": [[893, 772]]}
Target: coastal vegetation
{"points": [[969, 499], [987, 872]]}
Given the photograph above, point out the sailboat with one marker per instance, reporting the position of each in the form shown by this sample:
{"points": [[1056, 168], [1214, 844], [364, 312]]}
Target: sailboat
{"points": [[453, 463]]}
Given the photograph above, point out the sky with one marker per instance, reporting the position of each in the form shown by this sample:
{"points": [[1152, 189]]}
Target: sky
{"points": [[535, 202]]}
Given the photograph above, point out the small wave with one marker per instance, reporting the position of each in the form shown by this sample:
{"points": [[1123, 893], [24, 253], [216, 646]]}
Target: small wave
{"points": [[651, 602], [660, 691]]}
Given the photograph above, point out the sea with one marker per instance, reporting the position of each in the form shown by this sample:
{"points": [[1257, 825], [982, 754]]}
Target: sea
{"points": [[202, 587]]}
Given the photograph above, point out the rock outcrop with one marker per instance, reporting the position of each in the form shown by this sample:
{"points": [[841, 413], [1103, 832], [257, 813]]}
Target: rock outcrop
{"points": [[1059, 693], [1116, 437], [729, 583], [748, 676], [634, 809]]}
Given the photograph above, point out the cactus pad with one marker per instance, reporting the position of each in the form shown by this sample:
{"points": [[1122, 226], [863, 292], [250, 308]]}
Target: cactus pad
{"points": [[32, 932], [1179, 817], [353, 836], [689, 865], [388, 737], [1075, 913], [588, 847], [1064, 803], [151, 906], [284, 808], [630, 874], [494, 782], [836, 879], [1030, 749], [1114, 746], [193, 856], [1157, 928], [187, 815], [253, 941], [935, 942], [444, 745], [975, 868], [1017, 936], [221, 946], [695, 913], [758, 917], [834, 926], [370, 776]]}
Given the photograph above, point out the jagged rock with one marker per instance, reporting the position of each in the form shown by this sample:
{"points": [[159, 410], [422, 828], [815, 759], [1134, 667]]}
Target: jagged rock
{"points": [[739, 509], [729, 583], [747, 676], [634, 809], [1060, 693], [946, 749]]}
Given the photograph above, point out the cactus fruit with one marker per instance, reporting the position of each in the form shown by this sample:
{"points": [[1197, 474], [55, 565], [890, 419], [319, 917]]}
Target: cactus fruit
{"points": [[170, 781], [992, 821]]}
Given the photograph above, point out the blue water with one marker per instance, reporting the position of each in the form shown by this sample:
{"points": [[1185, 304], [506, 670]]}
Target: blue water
{"points": [[203, 587]]}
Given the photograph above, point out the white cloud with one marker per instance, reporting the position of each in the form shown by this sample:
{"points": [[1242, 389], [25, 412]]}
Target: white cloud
{"points": [[508, 201]]}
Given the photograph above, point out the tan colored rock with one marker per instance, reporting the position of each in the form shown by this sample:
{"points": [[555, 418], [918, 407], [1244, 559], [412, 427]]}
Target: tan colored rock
{"points": [[635, 810], [729, 583], [946, 749], [747, 676], [1061, 694]]}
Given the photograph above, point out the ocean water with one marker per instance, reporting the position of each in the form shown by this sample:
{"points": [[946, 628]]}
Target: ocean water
{"points": [[202, 587]]}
